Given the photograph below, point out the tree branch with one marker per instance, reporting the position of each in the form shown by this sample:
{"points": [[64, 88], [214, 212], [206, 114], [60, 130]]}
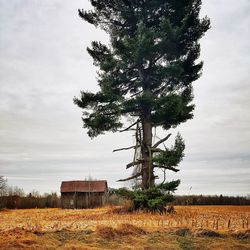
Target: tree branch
{"points": [[120, 149], [157, 150], [164, 177], [166, 167], [137, 93], [161, 141], [133, 163], [129, 126], [150, 165], [131, 177]]}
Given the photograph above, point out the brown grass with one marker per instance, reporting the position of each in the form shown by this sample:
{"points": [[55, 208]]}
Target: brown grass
{"points": [[190, 227]]}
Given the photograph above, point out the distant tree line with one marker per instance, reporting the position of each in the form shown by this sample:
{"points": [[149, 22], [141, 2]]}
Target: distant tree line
{"points": [[116, 199], [29, 201], [211, 200], [13, 197]]}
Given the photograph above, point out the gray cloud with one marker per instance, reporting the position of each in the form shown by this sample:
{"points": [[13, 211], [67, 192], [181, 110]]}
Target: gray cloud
{"points": [[44, 64]]}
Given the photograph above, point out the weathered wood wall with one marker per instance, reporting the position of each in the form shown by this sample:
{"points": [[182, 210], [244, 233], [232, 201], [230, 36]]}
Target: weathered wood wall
{"points": [[82, 200]]}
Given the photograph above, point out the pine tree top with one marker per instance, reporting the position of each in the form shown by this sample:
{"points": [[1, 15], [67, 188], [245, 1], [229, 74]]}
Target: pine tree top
{"points": [[149, 65]]}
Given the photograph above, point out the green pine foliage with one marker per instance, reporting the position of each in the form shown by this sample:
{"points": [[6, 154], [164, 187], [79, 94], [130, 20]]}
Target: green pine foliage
{"points": [[170, 158], [145, 74], [153, 199], [159, 37]]}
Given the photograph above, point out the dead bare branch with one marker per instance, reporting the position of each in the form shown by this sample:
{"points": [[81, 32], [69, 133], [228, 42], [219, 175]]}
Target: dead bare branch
{"points": [[120, 149], [137, 93], [131, 177], [161, 141], [167, 167], [157, 150], [129, 127], [134, 163]]}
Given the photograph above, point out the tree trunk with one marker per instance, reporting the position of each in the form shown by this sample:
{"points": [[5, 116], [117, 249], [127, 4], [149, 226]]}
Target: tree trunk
{"points": [[147, 166]]}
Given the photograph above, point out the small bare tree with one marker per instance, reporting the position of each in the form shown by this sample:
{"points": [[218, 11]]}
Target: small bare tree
{"points": [[3, 185]]}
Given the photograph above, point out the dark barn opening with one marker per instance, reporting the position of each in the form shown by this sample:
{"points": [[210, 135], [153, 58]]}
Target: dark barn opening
{"points": [[83, 194]]}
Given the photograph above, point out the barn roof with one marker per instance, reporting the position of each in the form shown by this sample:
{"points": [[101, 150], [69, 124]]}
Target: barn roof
{"points": [[84, 186]]}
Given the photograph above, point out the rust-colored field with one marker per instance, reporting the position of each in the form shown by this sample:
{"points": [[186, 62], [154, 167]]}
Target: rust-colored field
{"points": [[190, 227]]}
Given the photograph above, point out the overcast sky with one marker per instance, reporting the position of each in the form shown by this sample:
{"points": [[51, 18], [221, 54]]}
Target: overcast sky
{"points": [[44, 64]]}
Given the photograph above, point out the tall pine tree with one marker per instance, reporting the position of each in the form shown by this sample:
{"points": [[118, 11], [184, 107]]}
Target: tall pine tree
{"points": [[145, 73]]}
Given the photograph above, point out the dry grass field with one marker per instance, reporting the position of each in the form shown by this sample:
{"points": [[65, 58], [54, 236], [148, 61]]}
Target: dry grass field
{"points": [[190, 227]]}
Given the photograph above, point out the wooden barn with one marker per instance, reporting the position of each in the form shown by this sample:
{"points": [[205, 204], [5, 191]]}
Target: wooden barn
{"points": [[83, 194]]}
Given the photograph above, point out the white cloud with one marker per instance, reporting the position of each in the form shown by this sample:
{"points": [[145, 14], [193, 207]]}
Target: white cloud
{"points": [[44, 64]]}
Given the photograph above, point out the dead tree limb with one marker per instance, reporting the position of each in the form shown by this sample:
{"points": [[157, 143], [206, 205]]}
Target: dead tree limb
{"points": [[161, 141], [136, 144], [150, 163], [167, 167], [129, 127], [164, 175], [134, 163], [131, 177], [135, 94], [157, 150], [120, 149]]}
